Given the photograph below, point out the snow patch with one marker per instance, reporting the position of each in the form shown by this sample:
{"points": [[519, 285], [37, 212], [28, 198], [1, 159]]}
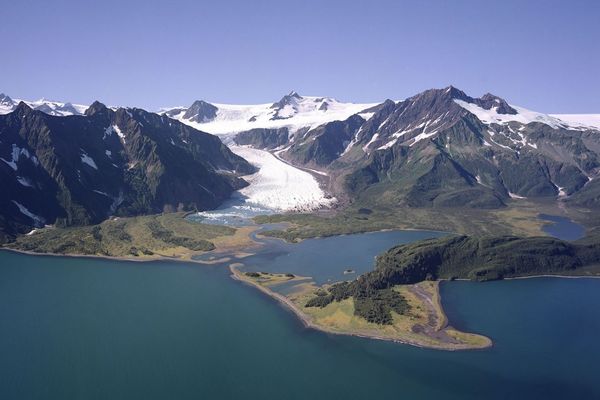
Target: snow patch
{"points": [[366, 115], [373, 138], [119, 133], [305, 112], [422, 136], [561, 191], [349, 146], [322, 173], [24, 181], [88, 160], [108, 132], [523, 116], [582, 120], [388, 144], [16, 154], [102, 193], [37, 220]]}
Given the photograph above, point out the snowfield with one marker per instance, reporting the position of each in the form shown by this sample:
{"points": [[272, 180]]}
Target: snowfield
{"points": [[592, 120], [279, 186], [8, 105], [306, 111], [525, 116]]}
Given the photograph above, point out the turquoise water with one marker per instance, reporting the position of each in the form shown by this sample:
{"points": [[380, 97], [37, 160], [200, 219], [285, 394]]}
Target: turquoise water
{"points": [[97, 329], [562, 227]]}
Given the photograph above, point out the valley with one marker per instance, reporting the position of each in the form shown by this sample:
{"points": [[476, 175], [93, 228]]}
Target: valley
{"points": [[225, 185], [299, 200]]}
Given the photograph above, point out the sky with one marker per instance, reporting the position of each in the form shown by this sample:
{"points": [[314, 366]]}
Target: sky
{"points": [[543, 55]]}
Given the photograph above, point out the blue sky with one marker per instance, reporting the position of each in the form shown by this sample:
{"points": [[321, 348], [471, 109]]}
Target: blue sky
{"points": [[544, 55]]}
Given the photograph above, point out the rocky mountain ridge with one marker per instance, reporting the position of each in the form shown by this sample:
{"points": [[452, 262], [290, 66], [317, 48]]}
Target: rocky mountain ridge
{"points": [[444, 148], [77, 170]]}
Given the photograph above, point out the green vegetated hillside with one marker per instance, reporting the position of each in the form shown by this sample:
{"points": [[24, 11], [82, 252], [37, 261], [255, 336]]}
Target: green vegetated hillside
{"points": [[169, 235], [460, 257]]}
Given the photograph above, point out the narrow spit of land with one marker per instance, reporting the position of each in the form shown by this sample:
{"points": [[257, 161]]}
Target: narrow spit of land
{"points": [[152, 237], [425, 325]]}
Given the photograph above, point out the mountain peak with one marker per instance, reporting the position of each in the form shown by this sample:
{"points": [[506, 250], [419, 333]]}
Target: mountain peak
{"points": [[439, 97], [450, 93], [5, 99], [199, 103], [201, 111], [489, 101], [22, 108], [455, 92], [289, 99], [96, 108]]}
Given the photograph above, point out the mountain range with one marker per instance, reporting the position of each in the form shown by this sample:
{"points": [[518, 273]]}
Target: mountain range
{"points": [[439, 148], [81, 169], [70, 164], [56, 108]]}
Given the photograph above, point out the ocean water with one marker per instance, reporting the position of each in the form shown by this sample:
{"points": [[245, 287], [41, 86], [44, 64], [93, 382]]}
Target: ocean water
{"points": [[81, 328]]}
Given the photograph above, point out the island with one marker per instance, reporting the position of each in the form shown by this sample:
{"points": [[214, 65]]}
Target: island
{"points": [[399, 300], [420, 322]]}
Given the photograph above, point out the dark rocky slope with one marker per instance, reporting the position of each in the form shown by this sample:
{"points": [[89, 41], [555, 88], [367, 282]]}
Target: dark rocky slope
{"points": [[78, 170]]}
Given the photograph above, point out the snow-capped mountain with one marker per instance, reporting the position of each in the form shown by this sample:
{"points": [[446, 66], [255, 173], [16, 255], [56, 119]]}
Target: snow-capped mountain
{"points": [[56, 108], [440, 147], [292, 112], [444, 148], [423, 116]]}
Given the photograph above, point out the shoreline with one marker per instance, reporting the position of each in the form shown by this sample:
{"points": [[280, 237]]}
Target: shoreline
{"points": [[552, 276], [307, 322], [525, 277], [360, 232], [107, 258], [225, 255], [221, 254], [221, 251]]}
